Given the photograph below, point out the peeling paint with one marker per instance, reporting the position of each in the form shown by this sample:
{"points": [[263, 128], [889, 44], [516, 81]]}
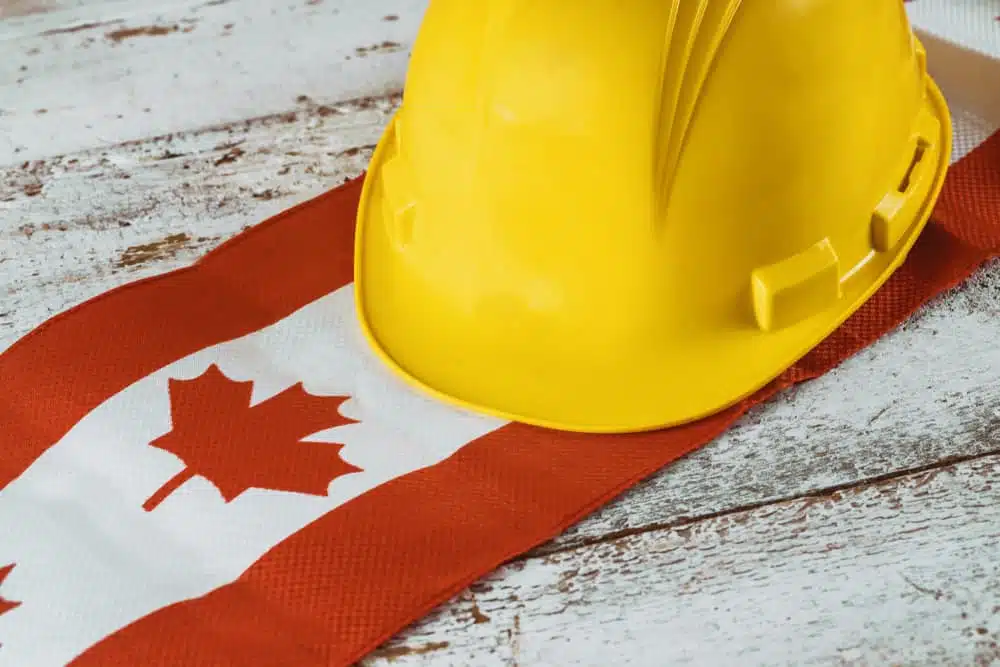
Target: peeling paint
{"points": [[80, 27], [393, 653], [383, 47], [120, 35], [151, 252]]}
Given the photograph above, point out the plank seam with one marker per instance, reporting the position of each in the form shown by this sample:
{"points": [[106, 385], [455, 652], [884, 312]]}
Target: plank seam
{"points": [[824, 493]]}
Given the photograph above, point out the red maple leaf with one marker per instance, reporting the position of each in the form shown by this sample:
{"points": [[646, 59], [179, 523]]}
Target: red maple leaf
{"points": [[6, 605], [237, 447]]}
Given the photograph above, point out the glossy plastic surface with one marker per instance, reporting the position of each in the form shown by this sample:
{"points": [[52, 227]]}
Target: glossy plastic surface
{"points": [[632, 215]]}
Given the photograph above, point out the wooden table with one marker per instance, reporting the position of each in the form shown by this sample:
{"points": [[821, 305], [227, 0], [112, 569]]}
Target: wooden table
{"points": [[854, 520]]}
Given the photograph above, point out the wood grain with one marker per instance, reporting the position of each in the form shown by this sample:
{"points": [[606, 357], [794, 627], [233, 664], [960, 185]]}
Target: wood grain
{"points": [[108, 72], [75, 226], [16, 8], [899, 572]]}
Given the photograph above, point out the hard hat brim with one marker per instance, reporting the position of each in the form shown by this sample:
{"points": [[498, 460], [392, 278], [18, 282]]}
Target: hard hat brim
{"points": [[710, 376]]}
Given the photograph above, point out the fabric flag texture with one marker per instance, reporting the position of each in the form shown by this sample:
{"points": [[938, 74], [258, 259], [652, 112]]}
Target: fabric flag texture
{"points": [[210, 468]]}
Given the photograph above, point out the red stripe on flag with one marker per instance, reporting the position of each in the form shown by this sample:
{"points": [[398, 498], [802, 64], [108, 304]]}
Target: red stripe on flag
{"points": [[73, 362], [337, 589]]}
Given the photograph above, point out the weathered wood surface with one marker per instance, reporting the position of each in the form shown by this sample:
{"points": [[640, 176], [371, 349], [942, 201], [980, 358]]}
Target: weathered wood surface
{"points": [[899, 572], [79, 74], [94, 73], [72, 227], [850, 521]]}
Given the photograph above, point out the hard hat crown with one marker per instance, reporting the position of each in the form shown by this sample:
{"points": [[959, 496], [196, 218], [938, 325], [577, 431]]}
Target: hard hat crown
{"points": [[580, 218]]}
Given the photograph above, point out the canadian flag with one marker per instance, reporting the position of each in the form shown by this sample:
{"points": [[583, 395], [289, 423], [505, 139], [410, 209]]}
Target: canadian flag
{"points": [[177, 484], [209, 467]]}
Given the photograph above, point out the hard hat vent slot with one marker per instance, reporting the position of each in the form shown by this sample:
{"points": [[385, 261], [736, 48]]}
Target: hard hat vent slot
{"points": [[918, 156], [894, 214]]}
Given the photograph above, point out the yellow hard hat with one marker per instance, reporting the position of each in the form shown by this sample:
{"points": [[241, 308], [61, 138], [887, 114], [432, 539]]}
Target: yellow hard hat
{"points": [[610, 216]]}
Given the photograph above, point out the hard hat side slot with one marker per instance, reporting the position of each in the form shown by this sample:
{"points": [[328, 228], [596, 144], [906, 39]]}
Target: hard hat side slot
{"points": [[789, 291], [915, 163], [895, 212]]}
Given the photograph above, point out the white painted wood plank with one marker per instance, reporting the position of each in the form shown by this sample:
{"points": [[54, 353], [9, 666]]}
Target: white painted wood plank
{"points": [[903, 572], [104, 73], [10, 9], [925, 393], [108, 71], [76, 226], [73, 227]]}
